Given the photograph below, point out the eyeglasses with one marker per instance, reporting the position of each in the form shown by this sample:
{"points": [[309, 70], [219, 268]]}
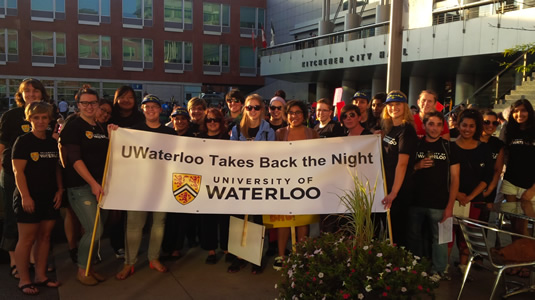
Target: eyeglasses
{"points": [[351, 115], [295, 113], [87, 103], [273, 107], [212, 120], [251, 107], [488, 122], [233, 100]]}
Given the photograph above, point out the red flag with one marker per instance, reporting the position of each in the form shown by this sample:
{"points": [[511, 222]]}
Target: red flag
{"points": [[253, 38], [439, 106], [264, 42]]}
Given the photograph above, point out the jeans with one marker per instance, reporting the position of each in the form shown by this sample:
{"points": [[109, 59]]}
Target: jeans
{"points": [[417, 217], [134, 231], [84, 205]]}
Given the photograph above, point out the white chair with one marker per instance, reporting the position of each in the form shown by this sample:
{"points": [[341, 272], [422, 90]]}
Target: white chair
{"points": [[475, 233]]}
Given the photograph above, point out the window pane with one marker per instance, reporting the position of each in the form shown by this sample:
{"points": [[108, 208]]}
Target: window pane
{"points": [[247, 59], [188, 12], [106, 47], [88, 46], [247, 17], [132, 49], [148, 9], [89, 7], [172, 10], [60, 6], [225, 54], [173, 52], [210, 54], [11, 3], [60, 44], [261, 19], [12, 42], [105, 5], [226, 15], [188, 53], [43, 5], [2, 41], [132, 9], [148, 51], [211, 13], [42, 43]]}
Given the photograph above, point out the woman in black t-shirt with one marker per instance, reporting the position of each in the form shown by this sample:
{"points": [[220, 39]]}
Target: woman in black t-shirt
{"points": [[399, 149], [12, 125], [350, 116], [84, 146], [37, 198], [476, 171]]}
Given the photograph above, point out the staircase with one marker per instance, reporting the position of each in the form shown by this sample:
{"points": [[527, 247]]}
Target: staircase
{"points": [[524, 91]]}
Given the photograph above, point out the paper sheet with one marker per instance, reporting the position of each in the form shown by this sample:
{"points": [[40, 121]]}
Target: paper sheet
{"points": [[445, 231], [252, 251]]}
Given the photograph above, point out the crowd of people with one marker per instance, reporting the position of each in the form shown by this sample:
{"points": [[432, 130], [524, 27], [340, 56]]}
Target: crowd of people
{"points": [[52, 161]]}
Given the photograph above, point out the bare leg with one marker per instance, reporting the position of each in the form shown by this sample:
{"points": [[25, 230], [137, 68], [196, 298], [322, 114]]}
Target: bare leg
{"points": [[42, 247], [27, 236], [283, 234], [302, 232]]}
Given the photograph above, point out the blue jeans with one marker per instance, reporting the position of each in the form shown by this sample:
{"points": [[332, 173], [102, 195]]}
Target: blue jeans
{"points": [[417, 217], [84, 205]]}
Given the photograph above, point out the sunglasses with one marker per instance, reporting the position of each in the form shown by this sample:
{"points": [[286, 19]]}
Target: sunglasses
{"points": [[233, 100], [273, 107], [212, 120], [487, 122], [251, 107], [352, 115]]}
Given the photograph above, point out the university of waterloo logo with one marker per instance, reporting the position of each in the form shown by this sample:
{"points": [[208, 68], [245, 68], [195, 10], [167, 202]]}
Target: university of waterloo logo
{"points": [[34, 156], [25, 127], [186, 187], [89, 134]]}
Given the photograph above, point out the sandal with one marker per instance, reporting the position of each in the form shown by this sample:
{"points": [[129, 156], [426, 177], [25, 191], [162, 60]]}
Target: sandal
{"points": [[32, 289], [157, 265], [125, 272], [14, 272], [237, 265], [49, 283], [256, 270]]}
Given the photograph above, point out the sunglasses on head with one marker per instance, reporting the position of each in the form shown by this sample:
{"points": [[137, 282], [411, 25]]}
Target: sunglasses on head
{"points": [[212, 120], [351, 114], [273, 107], [233, 100], [488, 122], [251, 107]]}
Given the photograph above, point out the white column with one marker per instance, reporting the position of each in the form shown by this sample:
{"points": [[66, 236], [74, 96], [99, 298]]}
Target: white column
{"points": [[416, 85]]}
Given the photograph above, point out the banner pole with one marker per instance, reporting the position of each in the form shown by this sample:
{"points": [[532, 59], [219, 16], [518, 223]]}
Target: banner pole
{"points": [[292, 230], [389, 222], [244, 234]]}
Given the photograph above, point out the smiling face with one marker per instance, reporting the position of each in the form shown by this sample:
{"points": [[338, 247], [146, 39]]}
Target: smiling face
{"points": [[490, 123], [426, 103], [467, 128], [395, 110], [362, 104], [295, 116], [350, 119], [234, 105], [276, 110], [103, 113], [520, 114], [151, 111], [324, 113], [212, 124], [39, 122], [127, 101], [377, 107], [31, 94], [433, 128], [197, 114], [180, 123], [253, 114], [88, 106]]}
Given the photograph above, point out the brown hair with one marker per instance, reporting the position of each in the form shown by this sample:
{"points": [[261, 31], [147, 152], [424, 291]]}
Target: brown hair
{"points": [[39, 107], [327, 102], [36, 84]]}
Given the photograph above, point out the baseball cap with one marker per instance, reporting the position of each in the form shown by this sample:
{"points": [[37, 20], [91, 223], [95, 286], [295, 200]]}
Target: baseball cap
{"points": [[151, 98]]}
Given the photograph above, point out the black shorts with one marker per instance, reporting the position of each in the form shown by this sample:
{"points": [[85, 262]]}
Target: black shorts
{"points": [[44, 209]]}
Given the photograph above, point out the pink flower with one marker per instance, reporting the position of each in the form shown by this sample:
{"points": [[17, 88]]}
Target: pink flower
{"points": [[387, 288], [346, 296], [420, 287], [385, 294], [313, 278]]}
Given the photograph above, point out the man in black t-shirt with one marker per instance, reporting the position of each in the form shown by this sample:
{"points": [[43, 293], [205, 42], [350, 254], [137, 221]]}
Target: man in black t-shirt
{"points": [[436, 183]]}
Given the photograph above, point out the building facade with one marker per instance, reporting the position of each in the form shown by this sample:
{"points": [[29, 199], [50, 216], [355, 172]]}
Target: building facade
{"points": [[175, 49]]}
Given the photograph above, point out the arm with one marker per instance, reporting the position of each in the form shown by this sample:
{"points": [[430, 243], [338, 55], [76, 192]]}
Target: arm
{"points": [[2, 148], [528, 194], [20, 179], [455, 170], [465, 199], [59, 194], [498, 167], [82, 170], [401, 168]]}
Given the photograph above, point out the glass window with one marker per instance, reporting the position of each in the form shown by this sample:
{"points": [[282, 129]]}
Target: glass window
{"points": [[247, 58], [48, 48], [225, 52], [42, 43], [173, 52], [261, 18], [178, 15], [148, 50], [210, 54], [132, 50], [134, 9], [48, 5], [91, 7], [226, 15], [106, 47], [12, 42], [173, 10], [211, 13], [247, 17], [188, 12], [60, 44], [10, 10], [89, 46], [137, 53], [216, 17], [188, 53]]}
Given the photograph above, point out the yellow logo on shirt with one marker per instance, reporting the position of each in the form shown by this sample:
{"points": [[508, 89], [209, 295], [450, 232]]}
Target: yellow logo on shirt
{"points": [[25, 127], [34, 156], [89, 134]]}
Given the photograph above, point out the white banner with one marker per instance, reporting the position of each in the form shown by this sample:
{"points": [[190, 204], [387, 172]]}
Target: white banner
{"points": [[156, 172]]}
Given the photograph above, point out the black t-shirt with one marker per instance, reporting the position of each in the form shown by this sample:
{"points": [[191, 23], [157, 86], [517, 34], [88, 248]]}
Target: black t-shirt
{"points": [[162, 129], [12, 125], [41, 158], [276, 127], [134, 118], [521, 160], [92, 141], [431, 185], [332, 129], [476, 167], [495, 145], [252, 132], [222, 136], [400, 140]]}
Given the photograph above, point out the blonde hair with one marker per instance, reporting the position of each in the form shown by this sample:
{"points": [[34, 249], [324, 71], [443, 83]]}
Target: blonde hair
{"points": [[386, 120], [245, 122], [39, 107]]}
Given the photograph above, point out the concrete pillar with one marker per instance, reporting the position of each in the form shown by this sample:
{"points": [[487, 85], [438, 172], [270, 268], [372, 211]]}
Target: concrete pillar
{"points": [[464, 87], [416, 85], [393, 75], [378, 86], [324, 27], [352, 20], [322, 90], [382, 14], [349, 88]]}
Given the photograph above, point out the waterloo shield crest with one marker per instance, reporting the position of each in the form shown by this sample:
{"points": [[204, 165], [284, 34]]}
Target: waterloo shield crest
{"points": [[89, 134], [25, 127], [186, 187], [34, 156]]}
